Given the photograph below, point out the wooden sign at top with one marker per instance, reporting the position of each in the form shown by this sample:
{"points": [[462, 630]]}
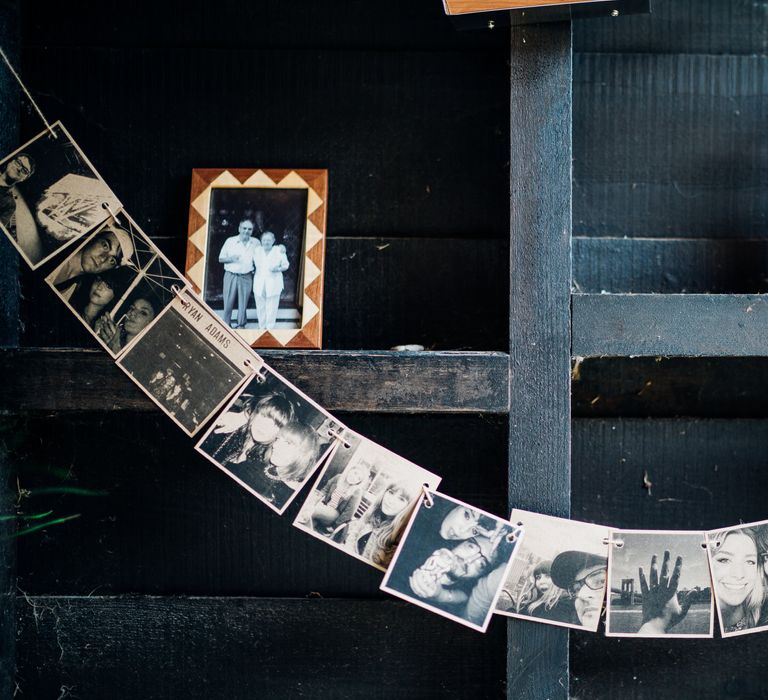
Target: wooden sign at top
{"points": [[464, 7]]}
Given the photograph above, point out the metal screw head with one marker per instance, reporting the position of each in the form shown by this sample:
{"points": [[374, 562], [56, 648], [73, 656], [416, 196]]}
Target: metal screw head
{"points": [[614, 13], [491, 24]]}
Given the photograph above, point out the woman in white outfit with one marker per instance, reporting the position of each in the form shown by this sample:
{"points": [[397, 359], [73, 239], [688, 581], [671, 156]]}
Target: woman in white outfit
{"points": [[269, 262]]}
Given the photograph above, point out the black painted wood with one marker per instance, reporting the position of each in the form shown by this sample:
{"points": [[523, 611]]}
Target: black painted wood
{"points": [[157, 518], [230, 649], [670, 145], [670, 265], [687, 325], [539, 320], [384, 382], [190, 24], [9, 141], [9, 337], [705, 474], [379, 292], [681, 27], [726, 387], [405, 135]]}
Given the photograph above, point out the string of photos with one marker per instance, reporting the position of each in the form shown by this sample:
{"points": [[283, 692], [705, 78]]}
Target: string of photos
{"points": [[268, 436]]}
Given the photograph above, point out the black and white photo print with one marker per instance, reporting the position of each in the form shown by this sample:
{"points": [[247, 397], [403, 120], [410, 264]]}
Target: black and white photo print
{"points": [[658, 584], [271, 439], [558, 572], [453, 560], [188, 363], [363, 498], [116, 296], [50, 195], [738, 560]]}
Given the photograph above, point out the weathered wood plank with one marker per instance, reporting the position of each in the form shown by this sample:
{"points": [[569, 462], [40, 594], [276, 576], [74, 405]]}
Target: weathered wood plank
{"points": [[539, 319], [156, 517], [249, 648], [669, 266], [726, 387], [394, 382], [681, 26], [670, 145], [379, 292], [683, 325]]}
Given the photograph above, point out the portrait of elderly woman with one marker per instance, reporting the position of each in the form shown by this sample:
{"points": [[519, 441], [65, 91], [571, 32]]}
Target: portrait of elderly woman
{"points": [[454, 571], [50, 196]]}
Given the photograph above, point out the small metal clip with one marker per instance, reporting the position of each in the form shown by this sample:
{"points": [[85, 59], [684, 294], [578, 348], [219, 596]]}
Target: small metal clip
{"points": [[339, 435], [428, 500]]}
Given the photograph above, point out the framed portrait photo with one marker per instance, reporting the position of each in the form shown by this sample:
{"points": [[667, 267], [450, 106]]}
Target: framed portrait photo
{"points": [[256, 252]]}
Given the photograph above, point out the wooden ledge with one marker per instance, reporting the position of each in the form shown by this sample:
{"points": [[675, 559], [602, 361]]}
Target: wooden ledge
{"points": [[672, 325], [44, 380]]}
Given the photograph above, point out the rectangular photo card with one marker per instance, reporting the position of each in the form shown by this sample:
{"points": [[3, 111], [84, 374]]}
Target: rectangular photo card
{"points": [[558, 572], [271, 438], [116, 283], [188, 363], [738, 560], [658, 585], [50, 196], [453, 559], [363, 498]]}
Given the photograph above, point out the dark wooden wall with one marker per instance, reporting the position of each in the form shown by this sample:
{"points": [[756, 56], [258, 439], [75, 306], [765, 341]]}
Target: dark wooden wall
{"points": [[172, 582]]}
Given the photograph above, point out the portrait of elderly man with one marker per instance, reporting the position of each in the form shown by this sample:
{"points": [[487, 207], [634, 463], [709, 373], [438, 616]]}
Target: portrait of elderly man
{"points": [[108, 249], [237, 256]]}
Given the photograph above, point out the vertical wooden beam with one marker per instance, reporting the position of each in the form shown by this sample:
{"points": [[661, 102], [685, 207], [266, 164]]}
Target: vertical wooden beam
{"points": [[9, 337], [539, 322]]}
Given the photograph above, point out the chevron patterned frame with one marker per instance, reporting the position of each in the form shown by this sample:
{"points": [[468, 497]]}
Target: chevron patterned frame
{"points": [[204, 181]]}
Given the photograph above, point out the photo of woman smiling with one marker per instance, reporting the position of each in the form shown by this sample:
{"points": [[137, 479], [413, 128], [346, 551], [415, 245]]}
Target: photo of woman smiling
{"points": [[737, 561]]}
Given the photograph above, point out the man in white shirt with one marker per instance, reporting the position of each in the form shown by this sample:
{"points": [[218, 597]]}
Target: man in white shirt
{"points": [[237, 256], [270, 262]]}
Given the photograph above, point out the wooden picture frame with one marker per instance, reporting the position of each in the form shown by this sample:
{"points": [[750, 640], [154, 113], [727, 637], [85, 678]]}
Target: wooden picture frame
{"points": [[291, 204], [463, 7]]}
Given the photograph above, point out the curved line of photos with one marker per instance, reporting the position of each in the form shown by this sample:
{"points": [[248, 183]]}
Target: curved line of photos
{"points": [[436, 552]]}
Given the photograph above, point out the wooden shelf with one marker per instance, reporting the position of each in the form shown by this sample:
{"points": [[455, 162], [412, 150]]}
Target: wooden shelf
{"points": [[365, 381], [252, 647], [674, 325]]}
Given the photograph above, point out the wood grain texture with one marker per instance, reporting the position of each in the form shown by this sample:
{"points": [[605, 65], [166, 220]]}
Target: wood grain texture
{"points": [[679, 27], [670, 145], [9, 337], [683, 325], [539, 319], [190, 25], [10, 263], [706, 474], [379, 292], [662, 387], [460, 7], [394, 382], [376, 120], [159, 518], [670, 266], [244, 648]]}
